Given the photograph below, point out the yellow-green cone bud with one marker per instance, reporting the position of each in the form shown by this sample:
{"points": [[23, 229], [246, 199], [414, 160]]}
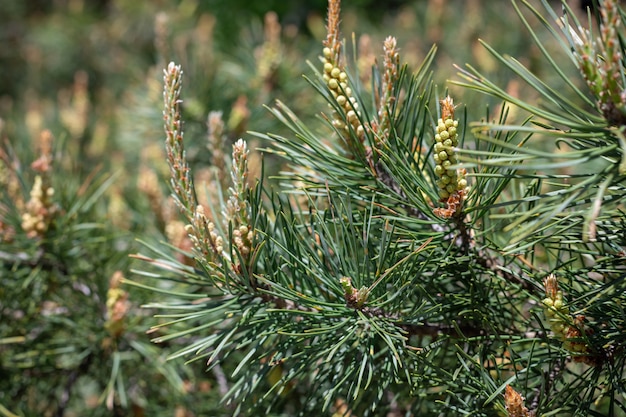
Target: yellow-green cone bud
{"points": [[451, 182]]}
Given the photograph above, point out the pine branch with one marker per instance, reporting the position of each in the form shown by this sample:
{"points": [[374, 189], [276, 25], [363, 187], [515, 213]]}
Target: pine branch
{"points": [[408, 254]]}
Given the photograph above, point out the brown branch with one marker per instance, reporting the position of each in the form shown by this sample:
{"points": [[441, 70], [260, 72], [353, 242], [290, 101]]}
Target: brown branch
{"points": [[488, 262], [422, 329]]}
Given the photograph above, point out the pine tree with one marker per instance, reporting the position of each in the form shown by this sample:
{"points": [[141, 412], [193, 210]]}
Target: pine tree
{"points": [[414, 262]]}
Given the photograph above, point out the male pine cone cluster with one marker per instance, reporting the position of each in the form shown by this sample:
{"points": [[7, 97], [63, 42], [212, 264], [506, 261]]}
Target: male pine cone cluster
{"points": [[449, 181], [557, 314], [337, 81]]}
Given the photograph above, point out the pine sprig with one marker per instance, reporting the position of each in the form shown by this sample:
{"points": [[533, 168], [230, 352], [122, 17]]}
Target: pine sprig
{"points": [[383, 280], [584, 137], [181, 180]]}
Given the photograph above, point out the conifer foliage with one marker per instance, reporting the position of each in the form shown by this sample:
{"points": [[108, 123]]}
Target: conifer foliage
{"points": [[415, 262]]}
